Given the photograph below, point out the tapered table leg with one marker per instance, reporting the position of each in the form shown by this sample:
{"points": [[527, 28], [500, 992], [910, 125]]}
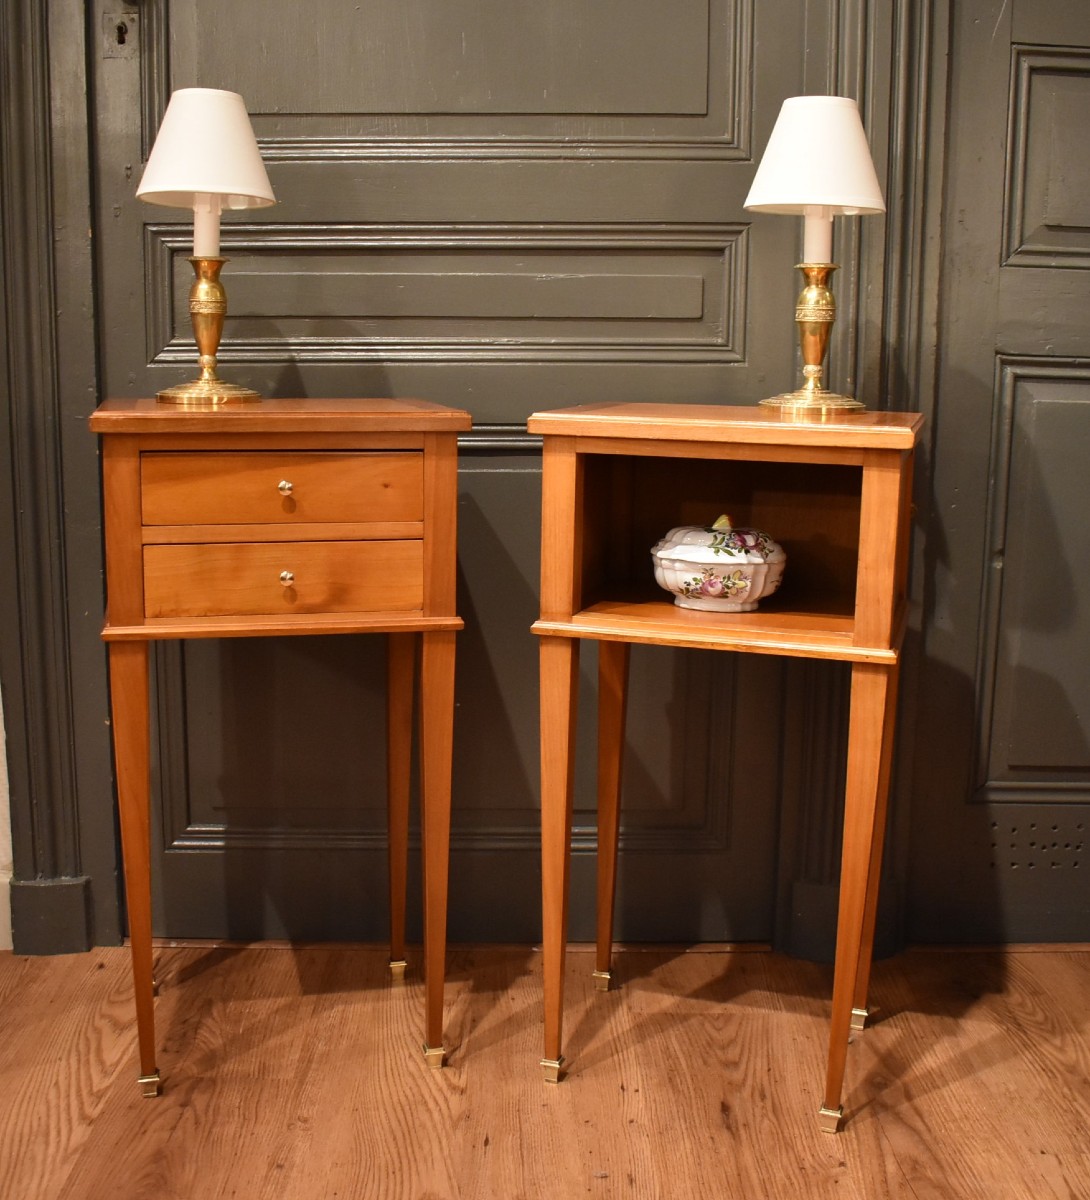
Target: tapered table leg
{"points": [[132, 755], [869, 747], [559, 659], [860, 1012], [613, 659], [400, 670], [437, 743]]}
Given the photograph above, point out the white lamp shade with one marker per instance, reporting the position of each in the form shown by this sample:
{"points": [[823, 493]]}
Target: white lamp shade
{"points": [[206, 147], [817, 156]]}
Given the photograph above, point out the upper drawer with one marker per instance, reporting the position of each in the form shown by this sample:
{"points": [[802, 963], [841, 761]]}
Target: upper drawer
{"points": [[246, 487]]}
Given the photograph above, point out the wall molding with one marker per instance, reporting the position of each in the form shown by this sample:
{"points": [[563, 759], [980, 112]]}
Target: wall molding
{"points": [[35, 650], [413, 138], [1011, 373], [700, 821], [1044, 242], [714, 331]]}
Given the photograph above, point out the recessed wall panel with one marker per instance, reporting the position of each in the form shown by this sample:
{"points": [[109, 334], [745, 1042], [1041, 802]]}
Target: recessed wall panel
{"points": [[566, 77], [1036, 655], [1048, 171], [342, 296]]}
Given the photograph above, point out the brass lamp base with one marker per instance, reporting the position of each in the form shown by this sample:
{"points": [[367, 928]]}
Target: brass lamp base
{"points": [[207, 308], [815, 312], [817, 400], [202, 393]]}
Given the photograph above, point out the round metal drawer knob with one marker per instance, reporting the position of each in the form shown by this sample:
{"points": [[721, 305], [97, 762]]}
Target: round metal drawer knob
{"points": [[287, 578], [284, 487]]}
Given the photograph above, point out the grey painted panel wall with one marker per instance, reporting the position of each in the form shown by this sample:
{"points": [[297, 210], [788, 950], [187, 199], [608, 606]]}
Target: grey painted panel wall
{"points": [[1039, 632], [1001, 801], [458, 56], [1048, 204], [668, 295], [484, 78], [506, 260]]}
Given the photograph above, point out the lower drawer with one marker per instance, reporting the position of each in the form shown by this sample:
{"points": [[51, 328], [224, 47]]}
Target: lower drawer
{"points": [[254, 578]]}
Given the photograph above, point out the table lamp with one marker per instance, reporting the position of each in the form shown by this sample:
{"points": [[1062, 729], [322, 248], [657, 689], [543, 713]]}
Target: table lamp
{"points": [[816, 164], [206, 158]]}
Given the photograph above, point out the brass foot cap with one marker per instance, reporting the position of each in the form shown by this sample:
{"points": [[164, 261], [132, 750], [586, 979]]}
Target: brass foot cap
{"points": [[601, 980], [552, 1068], [397, 969], [830, 1118], [150, 1085], [433, 1056], [860, 1017]]}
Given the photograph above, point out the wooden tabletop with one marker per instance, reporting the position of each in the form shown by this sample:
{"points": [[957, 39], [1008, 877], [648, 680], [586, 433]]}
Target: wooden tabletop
{"points": [[280, 416], [727, 423]]}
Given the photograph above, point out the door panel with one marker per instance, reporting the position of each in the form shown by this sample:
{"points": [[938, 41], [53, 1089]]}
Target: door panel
{"points": [[526, 65], [433, 230], [271, 759], [1003, 775], [504, 207]]}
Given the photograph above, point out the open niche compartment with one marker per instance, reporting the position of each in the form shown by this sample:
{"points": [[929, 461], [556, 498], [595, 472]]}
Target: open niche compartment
{"points": [[630, 501]]}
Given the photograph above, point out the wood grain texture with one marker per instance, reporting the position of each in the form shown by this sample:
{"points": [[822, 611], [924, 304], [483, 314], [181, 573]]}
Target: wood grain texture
{"points": [[440, 511], [276, 626], [559, 689], [436, 751], [662, 623], [728, 423], [248, 578], [286, 487], [401, 650], [279, 416], [866, 793], [613, 672], [132, 756], [121, 512], [296, 1072], [842, 523], [249, 469]]}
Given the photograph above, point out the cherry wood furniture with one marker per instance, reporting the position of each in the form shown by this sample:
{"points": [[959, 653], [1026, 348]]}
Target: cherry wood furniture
{"points": [[836, 494], [286, 517]]}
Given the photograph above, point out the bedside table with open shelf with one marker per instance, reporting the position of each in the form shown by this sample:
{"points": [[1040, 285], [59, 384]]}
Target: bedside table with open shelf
{"points": [[836, 494]]}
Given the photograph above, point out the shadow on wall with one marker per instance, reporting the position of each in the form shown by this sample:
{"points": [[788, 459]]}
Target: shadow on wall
{"points": [[1002, 754]]}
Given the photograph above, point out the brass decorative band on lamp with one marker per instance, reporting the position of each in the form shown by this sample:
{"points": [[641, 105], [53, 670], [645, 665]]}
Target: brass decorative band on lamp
{"points": [[206, 158], [817, 164], [207, 308]]}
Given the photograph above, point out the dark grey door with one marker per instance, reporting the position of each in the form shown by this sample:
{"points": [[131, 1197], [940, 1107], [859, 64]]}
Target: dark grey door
{"points": [[1002, 798], [506, 207]]}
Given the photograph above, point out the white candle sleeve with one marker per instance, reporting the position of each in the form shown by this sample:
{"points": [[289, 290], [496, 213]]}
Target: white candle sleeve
{"points": [[206, 226], [817, 237]]}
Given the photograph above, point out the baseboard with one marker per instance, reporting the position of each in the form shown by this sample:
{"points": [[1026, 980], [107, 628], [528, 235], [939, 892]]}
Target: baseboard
{"points": [[51, 916], [5, 910]]}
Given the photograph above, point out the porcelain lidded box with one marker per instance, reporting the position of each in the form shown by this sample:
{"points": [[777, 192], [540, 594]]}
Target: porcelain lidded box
{"points": [[718, 568]]}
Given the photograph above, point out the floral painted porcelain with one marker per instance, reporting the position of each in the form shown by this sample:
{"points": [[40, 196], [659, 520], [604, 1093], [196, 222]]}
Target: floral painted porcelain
{"points": [[720, 568]]}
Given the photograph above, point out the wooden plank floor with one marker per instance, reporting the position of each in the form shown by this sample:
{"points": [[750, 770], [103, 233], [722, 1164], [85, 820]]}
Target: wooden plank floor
{"points": [[296, 1073]]}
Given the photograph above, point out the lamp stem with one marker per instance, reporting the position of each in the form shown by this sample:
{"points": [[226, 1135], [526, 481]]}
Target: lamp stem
{"points": [[815, 312], [207, 309]]}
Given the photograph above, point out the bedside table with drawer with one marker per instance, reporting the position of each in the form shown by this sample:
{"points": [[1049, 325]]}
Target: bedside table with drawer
{"points": [[281, 518]]}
